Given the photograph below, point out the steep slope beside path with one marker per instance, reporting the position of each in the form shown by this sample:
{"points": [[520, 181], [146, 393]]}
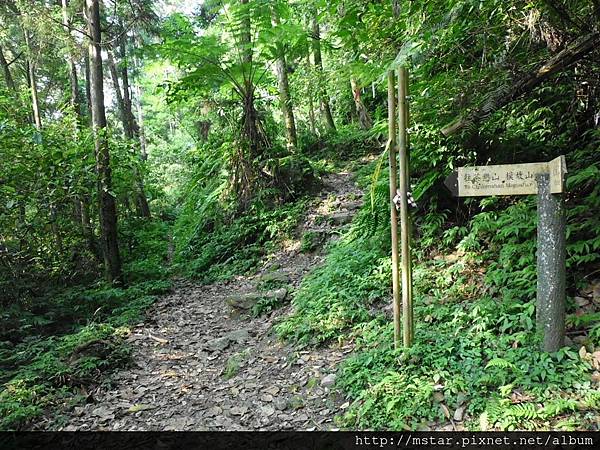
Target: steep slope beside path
{"points": [[200, 366]]}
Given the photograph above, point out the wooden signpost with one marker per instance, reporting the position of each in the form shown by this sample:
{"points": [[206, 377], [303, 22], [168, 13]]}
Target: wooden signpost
{"points": [[546, 180]]}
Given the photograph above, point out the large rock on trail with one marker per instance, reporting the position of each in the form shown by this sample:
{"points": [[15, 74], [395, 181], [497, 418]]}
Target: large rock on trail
{"points": [[275, 277], [247, 301], [341, 218]]}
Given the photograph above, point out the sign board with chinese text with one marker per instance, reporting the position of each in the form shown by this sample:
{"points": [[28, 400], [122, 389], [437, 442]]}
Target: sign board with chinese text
{"points": [[546, 180], [509, 179]]}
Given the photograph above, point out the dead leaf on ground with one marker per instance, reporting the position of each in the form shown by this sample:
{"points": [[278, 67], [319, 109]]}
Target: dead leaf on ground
{"points": [[159, 340], [140, 407]]}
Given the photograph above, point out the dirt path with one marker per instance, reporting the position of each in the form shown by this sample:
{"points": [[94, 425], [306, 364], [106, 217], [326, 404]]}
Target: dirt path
{"points": [[200, 364]]}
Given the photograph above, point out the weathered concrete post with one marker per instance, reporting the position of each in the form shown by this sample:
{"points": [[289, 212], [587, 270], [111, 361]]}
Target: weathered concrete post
{"points": [[551, 254]]}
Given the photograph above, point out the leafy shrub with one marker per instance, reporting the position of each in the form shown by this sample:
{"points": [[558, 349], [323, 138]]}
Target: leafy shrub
{"points": [[476, 342]]}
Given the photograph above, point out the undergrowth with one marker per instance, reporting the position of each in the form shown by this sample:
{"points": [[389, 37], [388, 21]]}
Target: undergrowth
{"points": [[55, 347], [476, 345]]}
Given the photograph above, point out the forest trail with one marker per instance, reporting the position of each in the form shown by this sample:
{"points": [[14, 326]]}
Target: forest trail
{"points": [[198, 364]]}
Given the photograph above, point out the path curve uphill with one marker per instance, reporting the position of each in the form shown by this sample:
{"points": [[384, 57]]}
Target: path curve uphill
{"points": [[202, 362]]}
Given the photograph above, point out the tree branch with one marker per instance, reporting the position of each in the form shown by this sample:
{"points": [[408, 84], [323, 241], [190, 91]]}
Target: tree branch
{"points": [[506, 94]]}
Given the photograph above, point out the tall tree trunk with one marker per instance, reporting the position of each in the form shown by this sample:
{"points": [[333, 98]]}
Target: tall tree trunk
{"points": [[108, 209], [130, 128], [133, 126], [37, 117], [254, 139], [33, 82], [138, 104], [142, 200], [21, 218], [10, 82], [250, 114], [364, 119], [140, 114], [80, 202], [316, 47], [285, 100], [311, 108], [75, 100], [88, 93], [286, 103], [112, 67]]}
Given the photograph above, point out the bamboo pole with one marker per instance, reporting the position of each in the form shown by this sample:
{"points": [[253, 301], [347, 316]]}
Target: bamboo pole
{"points": [[407, 307], [392, 149]]}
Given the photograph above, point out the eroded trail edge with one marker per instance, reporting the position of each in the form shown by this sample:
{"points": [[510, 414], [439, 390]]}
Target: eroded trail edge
{"points": [[201, 363]]}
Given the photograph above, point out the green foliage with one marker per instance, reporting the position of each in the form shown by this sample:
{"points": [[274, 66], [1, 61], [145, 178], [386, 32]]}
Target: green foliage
{"points": [[338, 294], [225, 189], [70, 337], [310, 241], [475, 323], [46, 369], [265, 305], [233, 248]]}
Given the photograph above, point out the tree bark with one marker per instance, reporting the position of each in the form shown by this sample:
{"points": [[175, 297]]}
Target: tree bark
{"points": [[131, 122], [318, 60], [130, 128], [35, 104], [88, 94], [108, 210], [10, 82], [364, 119], [75, 99], [112, 67], [285, 98], [311, 108], [253, 137], [80, 202], [286, 103], [140, 114], [506, 94]]}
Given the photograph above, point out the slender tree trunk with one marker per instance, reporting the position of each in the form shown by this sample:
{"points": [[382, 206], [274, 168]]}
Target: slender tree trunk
{"points": [[21, 223], [140, 114], [286, 103], [311, 107], [75, 100], [250, 115], [130, 128], [88, 93], [364, 119], [10, 82], [133, 126], [139, 109], [285, 99], [253, 137], [33, 83], [325, 108], [108, 210], [80, 202], [112, 67]]}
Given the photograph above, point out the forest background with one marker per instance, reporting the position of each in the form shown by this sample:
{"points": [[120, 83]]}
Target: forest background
{"points": [[142, 141]]}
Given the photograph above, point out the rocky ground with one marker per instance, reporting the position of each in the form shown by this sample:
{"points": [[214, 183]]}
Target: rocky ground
{"points": [[202, 362]]}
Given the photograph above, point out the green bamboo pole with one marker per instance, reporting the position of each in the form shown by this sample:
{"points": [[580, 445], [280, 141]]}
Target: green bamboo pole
{"points": [[392, 150], [407, 306]]}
